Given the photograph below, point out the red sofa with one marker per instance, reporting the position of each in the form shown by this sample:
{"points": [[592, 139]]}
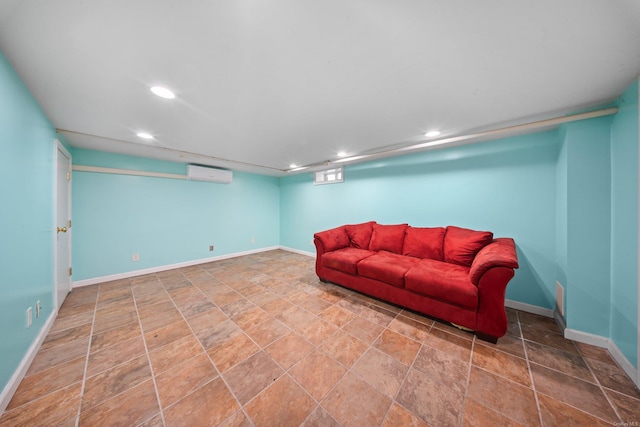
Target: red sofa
{"points": [[454, 274]]}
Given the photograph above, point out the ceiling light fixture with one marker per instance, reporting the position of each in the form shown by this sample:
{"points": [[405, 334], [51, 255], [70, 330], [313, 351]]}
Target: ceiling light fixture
{"points": [[293, 166], [163, 92], [144, 135], [432, 133], [342, 154]]}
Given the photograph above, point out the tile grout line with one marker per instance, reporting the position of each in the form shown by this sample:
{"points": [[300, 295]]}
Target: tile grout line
{"points": [[533, 384], [466, 388], [146, 352], [86, 364], [206, 353]]}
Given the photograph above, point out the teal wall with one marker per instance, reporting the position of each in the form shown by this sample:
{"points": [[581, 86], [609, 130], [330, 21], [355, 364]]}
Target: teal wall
{"points": [[166, 221], [505, 186], [26, 213], [624, 225], [588, 225]]}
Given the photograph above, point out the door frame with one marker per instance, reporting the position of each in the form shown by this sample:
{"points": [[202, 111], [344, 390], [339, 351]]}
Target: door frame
{"points": [[59, 147]]}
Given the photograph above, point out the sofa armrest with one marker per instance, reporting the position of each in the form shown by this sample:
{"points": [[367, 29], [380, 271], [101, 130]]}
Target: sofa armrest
{"points": [[499, 253], [331, 240]]}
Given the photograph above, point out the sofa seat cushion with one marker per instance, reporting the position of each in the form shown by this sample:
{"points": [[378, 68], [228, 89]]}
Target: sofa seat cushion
{"points": [[442, 281], [387, 267], [345, 259]]}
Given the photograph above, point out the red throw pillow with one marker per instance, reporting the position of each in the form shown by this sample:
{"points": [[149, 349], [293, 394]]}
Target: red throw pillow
{"points": [[360, 234], [461, 244], [424, 243], [388, 238]]}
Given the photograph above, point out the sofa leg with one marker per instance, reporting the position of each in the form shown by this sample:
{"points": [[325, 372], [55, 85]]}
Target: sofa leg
{"points": [[487, 337]]}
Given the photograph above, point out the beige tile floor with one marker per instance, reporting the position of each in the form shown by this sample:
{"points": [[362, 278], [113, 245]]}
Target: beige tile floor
{"points": [[258, 340]]}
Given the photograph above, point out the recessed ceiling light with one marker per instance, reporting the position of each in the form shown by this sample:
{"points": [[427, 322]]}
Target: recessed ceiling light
{"points": [[145, 135], [342, 154], [163, 92], [293, 165], [432, 133]]}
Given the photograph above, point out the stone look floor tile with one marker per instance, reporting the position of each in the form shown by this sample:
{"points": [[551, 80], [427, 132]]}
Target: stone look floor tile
{"points": [[478, 415], [381, 371], [433, 402], [410, 328], [491, 391], [317, 373], [502, 364], [398, 346], [320, 418], [449, 343], [344, 347], [114, 336], [567, 363], [336, 316], [170, 355], [399, 416], [572, 391], [184, 378], [555, 413], [262, 331], [44, 382], [232, 351], [289, 349], [267, 332], [250, 377], [53, 409], [132, 407], [443, 367], [114, 381], [353, 402], [282, 404], [115, 355], [192, 409]]}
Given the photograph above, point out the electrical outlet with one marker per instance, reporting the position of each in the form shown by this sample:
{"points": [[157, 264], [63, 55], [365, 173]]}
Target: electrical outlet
{"points": [[210, 248], [38, 308], [253, 239], [135, 257], [29, 317]]}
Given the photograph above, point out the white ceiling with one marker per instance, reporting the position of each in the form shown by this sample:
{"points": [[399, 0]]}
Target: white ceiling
{"points": [[263, 84]]}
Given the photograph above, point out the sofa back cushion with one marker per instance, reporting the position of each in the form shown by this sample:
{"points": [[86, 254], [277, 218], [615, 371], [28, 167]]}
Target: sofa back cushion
{"points": [[424, 243], [388, 238], [360, 234], [462, 244]]}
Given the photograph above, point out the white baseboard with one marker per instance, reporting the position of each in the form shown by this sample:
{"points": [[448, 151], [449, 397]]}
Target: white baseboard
{"points": [[586, 338], [18, 375], [529, 308], [298, 251], [126, 275]]}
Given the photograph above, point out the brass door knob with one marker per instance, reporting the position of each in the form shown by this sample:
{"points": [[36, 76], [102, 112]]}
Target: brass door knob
{"points": [[63, 229]]}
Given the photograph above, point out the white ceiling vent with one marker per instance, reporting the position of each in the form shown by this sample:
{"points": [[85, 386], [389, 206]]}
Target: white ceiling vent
{"points": [[201, 173]]}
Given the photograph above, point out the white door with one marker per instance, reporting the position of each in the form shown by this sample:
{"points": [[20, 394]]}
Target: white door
{"points": [[63, 224]]}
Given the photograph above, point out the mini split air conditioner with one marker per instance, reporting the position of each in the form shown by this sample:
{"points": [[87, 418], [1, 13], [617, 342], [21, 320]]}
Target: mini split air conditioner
{"points": [[201, 173]]}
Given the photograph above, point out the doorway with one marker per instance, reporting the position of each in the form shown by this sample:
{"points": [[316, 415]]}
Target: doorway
{"points": [[62, 226]]}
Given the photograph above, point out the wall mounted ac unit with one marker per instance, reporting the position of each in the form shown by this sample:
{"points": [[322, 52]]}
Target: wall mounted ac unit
{"points": [[201, 173]]}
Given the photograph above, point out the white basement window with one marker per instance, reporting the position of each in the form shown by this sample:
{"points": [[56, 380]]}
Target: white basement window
{"points": [[328, 176]]}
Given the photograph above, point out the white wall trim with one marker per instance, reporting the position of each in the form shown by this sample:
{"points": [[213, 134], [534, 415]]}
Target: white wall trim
{"points": [[604, 342], [298, 251], [18, 374], [126, 275], [529, 308]]}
